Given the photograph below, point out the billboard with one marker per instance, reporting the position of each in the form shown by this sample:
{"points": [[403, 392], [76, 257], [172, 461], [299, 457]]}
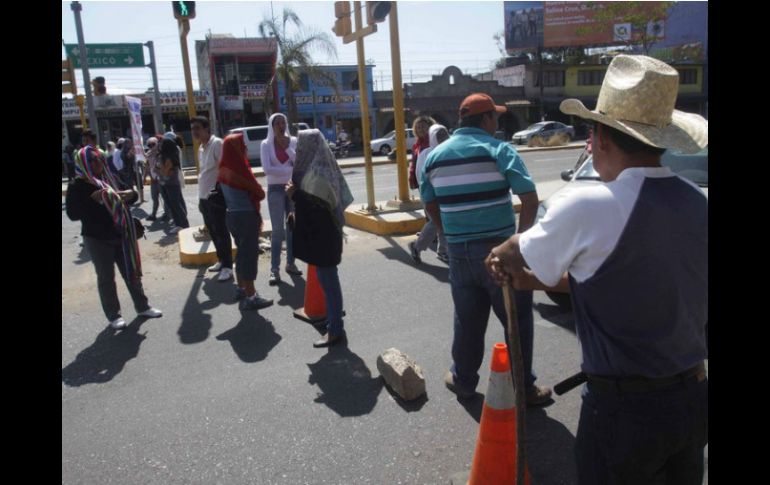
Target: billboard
{"points": [[523, 25], [682, 36]]}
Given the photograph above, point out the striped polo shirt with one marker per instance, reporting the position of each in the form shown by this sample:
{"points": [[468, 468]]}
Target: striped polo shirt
{"points": [[471, 176]]}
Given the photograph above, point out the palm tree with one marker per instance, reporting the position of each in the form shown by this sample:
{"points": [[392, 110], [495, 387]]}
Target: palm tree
{"points": [[294, 54]]}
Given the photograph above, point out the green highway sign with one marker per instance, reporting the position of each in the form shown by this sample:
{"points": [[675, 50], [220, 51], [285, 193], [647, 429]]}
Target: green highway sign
{"points": [[108, 55]]}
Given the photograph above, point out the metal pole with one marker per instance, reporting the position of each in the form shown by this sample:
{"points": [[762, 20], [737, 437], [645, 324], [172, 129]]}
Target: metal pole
{"points": [[184, 29], [364, 98], [542, 81], [156, 111], [398, 106], [93, 122]]}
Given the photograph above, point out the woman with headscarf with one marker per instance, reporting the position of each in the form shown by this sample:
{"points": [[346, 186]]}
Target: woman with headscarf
{"points": [[320, 194], [278, 155], [109, 234], [128, 155], [170, 188], [242, 195]]}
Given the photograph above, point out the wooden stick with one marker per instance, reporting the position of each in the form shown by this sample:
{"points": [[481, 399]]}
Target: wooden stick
{"points": [[517, 371]]}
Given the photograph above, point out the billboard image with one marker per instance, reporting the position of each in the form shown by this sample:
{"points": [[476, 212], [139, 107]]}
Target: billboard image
{"points": [[523, 25]]}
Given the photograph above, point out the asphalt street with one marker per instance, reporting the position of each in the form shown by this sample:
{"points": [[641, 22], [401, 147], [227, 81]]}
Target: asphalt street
{"points": [[208, 394]]}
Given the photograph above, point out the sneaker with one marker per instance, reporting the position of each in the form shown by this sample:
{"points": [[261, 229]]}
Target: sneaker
{"points": [[255, 302], [537, 396], [240, 294], [118, 323], [151, 218], [225, 274], [293, 270], [201, 232], [449, 380], [151, 313], [415, 253], [215, 268], [165, 217], [275, 278], [174, 230], [443, 257]]}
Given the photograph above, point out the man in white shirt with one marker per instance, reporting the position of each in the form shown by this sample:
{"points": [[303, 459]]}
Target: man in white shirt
{"points": [[209, 154]]}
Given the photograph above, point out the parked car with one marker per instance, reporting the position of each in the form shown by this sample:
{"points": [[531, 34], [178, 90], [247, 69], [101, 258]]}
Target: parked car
{"points": [[544, 129], [253, 136], [387, 143], [693, 167]]}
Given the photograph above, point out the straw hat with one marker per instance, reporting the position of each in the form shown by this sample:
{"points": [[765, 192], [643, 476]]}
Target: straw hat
{"points": [[637, 98]]}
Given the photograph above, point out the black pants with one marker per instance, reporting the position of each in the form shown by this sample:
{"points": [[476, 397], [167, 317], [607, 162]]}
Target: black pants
{"points": [[155, 194], [105, 256], [644, 438], [174, 199], [215, 219]]}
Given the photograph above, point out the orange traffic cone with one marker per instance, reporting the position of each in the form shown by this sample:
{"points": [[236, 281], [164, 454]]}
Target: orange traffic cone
{"points": [[315, 303], [494, 461]]}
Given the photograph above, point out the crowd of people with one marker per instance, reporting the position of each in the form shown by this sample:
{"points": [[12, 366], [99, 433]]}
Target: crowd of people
{"points": [[631, 251]]}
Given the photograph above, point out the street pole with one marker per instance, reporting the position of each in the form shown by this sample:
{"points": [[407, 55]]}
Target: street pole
{"points": [[184, 29], [542, 81], [364, 98], [158, 116], [398, 106], [93, 122]]}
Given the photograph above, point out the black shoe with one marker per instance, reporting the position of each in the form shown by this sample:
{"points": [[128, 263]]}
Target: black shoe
{"points": [[328, 341], [151, 218]]}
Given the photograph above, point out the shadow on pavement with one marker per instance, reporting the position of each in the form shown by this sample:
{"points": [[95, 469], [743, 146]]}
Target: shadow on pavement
{"points": [[473, 406], [106, 357], [346, 384], [195, 324], [550, 449], [556, 315], [292, 295], [401, 254], [252, 338], [408, 406]]}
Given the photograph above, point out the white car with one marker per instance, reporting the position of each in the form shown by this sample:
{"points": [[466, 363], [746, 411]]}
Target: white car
{"points": [[253, 136], [387, 143], [544, 129]]}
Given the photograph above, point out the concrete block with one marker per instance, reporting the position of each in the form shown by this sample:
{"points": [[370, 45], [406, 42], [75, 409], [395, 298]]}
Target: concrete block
{"points": [[401, 374]]}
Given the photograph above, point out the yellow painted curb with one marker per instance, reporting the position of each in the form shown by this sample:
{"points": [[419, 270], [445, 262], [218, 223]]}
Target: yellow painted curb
{"points": [[385, 223]]}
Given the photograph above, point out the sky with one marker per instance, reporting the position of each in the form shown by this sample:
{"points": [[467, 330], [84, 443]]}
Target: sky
{"points": [[433, 36]]}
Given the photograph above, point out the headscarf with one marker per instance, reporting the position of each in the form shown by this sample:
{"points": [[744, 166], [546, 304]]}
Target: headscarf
{"points": [[317, 173], [270, 140], [423, 156], [235, 171], [118, 209]]}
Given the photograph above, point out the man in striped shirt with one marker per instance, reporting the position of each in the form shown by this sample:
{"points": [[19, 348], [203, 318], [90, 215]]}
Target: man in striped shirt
{"points": [[467, 184]]}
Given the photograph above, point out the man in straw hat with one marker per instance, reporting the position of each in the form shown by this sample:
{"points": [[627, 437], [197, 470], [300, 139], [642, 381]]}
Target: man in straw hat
{"points": [[633, 252], [466, 187]]}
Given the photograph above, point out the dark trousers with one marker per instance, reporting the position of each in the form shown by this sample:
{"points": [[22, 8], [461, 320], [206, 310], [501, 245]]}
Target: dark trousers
{"points": [[172, 195], [105, 256], [474, 294], [155, 194], [215, 219], [650, 438]]}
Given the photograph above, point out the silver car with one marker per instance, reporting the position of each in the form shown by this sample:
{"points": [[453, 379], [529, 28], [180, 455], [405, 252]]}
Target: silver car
{"points": [[543, 129]]}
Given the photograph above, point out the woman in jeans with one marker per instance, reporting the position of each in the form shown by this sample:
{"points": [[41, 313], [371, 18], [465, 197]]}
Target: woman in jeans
{"points": [[320, 194], [108, 233], [170, 188], [153, 163], [278, 155], [242, 195]]}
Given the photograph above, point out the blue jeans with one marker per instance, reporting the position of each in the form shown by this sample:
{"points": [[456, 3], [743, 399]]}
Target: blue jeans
{"points": [[474, 293], [650, 438], [279, 206], [174, 199], [330, 283]]}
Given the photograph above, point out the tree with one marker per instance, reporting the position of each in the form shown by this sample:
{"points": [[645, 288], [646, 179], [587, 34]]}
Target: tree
{"points": [[294, 55], [638, 14]]}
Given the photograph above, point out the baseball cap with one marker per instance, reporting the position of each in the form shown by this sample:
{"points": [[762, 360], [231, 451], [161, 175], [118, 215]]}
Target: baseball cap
{"points": [[478, 103]]}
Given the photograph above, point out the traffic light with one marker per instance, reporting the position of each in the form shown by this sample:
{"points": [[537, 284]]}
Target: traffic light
{"points": [[342, 26], [68, 84], [376, 12], [99, 88], [184, 10]]}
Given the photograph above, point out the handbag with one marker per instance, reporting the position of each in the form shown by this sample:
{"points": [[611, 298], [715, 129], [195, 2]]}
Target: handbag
{"points": [[139, 228], [217, 198]]}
